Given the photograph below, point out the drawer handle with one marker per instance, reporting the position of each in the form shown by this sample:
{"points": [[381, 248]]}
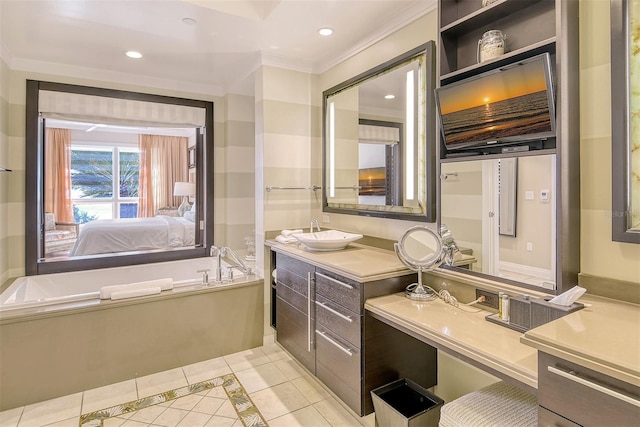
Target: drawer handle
{"points": [[337, 313], [346, 285], [341, 348], [594, 386]]}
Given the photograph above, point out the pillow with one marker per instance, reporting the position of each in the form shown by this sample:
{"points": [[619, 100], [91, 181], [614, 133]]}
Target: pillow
{"points": [[190, 215]]}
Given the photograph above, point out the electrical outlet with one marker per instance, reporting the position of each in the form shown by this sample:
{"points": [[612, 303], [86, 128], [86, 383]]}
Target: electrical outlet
{"points": [[490, 298]]}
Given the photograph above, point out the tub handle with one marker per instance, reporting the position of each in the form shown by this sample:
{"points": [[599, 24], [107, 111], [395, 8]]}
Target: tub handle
{"points": [[205, 275]]}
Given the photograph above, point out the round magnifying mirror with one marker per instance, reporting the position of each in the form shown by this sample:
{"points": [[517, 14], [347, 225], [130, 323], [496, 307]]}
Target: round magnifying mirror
{"points": [[420, 249]]}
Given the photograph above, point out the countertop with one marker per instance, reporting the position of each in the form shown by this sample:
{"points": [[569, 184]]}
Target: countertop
{"points": [[357, 262], [462, 332], [603, 336]]}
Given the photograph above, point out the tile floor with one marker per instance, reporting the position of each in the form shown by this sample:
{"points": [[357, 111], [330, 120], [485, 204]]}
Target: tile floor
{"points": [[283, 392]]}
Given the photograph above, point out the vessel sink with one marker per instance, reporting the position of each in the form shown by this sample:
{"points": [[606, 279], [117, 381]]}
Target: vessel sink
{"points": [[329, 240]]}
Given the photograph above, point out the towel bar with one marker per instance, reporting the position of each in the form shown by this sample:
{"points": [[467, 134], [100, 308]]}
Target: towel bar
{"points": [[313, 187]]}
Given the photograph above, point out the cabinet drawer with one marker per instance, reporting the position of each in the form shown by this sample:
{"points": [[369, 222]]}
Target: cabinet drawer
{"points": [[585, 396], [293, 266], [338, 365], [338, 319], [342, 291], [297, 300], [547, 418], [295, 334]]}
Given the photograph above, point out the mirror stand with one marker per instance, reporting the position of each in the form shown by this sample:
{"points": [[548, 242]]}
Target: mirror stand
{"points": [[420, 249]]}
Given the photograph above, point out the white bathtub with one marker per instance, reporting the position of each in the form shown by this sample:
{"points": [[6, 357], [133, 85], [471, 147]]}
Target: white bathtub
{"points": [[59, 288]]}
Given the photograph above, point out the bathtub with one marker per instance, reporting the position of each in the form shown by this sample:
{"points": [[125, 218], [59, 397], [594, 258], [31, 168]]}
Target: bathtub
{"points": [[57, 337], [63, 288]]}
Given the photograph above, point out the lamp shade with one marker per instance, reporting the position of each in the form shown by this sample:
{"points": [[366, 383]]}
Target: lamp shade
{"points": [[184, 189]]}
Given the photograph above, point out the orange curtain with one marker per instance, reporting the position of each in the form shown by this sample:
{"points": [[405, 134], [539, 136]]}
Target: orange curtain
{"points": [[57, 178], [163, 161]]}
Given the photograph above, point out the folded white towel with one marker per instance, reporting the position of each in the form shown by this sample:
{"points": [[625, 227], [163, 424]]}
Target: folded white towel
{"points": [[289, 233], [283, 239], [135, 293], [163, 284]]}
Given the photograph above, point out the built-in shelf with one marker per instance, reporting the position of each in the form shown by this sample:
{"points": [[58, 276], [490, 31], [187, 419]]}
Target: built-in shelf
{"points": [[486, 16], [547, 45]]}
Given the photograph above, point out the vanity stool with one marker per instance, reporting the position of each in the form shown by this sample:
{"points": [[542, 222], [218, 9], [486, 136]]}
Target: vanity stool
{"points": [[499, 404]]}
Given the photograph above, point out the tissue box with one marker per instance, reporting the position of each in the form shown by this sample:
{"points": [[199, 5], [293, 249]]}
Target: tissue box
{"points": [[520, 312], [542, 311]]}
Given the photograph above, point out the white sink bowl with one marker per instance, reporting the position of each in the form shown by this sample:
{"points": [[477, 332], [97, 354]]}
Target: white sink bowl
{"points": [[329, 240]]}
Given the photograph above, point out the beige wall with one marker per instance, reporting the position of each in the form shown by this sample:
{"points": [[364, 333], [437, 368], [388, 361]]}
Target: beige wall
{"points": [[6, 178], [406, 38], [599, 256]]}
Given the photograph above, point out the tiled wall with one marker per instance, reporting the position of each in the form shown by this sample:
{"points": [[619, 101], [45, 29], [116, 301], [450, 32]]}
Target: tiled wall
{"points": [[599, 255]]}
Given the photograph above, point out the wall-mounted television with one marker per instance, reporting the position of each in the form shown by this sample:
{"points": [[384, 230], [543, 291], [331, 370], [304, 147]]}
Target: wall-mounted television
{"points": [[508, 105]]}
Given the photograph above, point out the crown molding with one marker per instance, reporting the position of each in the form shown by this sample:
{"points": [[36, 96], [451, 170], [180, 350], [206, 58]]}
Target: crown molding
{"points": [[404, 17]]}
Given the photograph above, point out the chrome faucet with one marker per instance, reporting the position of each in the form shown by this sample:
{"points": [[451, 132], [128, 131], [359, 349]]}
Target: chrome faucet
{"points": [[229, 253], [215, 251], [314, 222]]}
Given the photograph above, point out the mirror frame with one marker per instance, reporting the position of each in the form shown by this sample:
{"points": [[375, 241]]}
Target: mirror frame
{"points": [[621, 124], [34, 179], [430, 213]]}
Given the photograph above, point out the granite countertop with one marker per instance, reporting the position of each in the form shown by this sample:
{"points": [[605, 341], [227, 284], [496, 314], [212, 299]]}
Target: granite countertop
{"points": [[462, 331], [603, 336], [357, 262]]}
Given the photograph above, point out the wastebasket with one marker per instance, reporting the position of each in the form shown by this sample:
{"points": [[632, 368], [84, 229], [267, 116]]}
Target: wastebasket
{"points": [[404, 403]]}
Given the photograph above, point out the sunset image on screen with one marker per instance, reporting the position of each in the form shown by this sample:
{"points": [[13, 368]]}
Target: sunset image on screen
{"points": [[507, 103]]}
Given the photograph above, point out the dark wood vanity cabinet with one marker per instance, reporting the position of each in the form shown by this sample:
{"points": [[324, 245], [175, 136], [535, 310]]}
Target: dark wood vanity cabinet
{"points": [[295, 294], [570, 394], [321, 322]]}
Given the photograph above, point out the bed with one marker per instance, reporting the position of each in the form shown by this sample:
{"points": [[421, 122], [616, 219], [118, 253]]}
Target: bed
{"points": [[105, 236]]}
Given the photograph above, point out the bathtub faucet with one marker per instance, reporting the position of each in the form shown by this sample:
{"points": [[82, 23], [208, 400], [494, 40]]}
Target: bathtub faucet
{"points": [[218, 253], [229, 253]]}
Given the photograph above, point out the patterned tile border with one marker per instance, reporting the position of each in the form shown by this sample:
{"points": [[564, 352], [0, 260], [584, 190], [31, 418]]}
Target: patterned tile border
{"points": [[244, 407]]}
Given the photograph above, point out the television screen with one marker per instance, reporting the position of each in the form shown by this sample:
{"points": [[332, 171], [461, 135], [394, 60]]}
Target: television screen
{"points": [[509, 104]]}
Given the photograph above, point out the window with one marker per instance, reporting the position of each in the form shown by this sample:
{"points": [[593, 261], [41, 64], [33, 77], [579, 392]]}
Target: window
{"points": [[104, 182]]}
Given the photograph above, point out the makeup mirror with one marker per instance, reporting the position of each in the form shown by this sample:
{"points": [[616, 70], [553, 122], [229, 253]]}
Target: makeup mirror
{"points": [[420, 249]]}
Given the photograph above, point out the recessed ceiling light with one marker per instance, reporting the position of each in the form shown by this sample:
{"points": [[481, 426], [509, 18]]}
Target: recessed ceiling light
{"points": [[133, 54], [326, 31], [189, 21], [389, 96]]}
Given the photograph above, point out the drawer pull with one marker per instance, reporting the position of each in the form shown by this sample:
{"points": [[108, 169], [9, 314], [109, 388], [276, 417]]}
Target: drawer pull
{"points": [[594, 386], [346, 285], [337, 313], [341, 348]]}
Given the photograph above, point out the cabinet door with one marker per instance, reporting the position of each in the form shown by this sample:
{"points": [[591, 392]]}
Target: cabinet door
{"points": [[295, 334]]}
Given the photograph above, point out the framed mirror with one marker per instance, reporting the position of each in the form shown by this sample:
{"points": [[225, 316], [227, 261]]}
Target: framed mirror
{"points": [[625, 132], [379, 140], [480, 201], [115, 178]]}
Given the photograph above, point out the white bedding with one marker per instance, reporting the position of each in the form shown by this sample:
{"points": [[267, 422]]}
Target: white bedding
{"points": [[105, 236]]}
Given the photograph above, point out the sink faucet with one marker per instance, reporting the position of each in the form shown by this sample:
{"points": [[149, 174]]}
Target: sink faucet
{"points": [[215, 251], [314, 222]]}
